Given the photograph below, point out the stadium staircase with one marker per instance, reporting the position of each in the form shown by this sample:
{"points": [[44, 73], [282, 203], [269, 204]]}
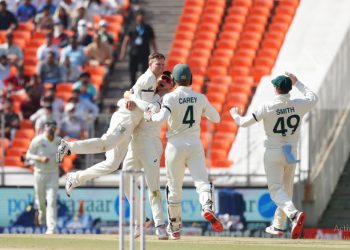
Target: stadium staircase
{"points": [[337, 211]]}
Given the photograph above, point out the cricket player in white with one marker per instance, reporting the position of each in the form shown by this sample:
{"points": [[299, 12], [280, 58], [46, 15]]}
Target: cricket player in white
{"points": [[42, 151], [282, 118], [145, 151], [115, 141], [183, 108]]}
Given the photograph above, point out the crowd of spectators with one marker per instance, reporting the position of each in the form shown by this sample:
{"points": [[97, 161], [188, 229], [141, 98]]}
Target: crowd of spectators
{"points": [[72, 41]]}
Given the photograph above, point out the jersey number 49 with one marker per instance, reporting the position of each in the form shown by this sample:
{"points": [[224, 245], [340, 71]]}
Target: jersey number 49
{"points": [[291, 121]]}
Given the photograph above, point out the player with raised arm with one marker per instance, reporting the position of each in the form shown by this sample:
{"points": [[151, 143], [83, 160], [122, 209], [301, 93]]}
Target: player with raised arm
{"points": [[183, 109], [282, 118], [115, 141], [144, 152]]}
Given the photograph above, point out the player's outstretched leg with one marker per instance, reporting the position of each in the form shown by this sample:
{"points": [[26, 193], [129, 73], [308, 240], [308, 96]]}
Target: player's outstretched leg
{"points": [[71, 182], [297, 224], [62, 150]]}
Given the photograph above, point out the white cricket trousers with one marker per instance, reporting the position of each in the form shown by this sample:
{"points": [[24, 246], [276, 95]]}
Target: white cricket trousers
{"points": [[182, 152], [45, 188], [280, 180], [145, 152], [114, 142]]}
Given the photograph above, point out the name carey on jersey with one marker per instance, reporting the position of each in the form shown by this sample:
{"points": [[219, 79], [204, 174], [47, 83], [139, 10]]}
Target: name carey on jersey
{"points": [[188, 100], [285, 111]]}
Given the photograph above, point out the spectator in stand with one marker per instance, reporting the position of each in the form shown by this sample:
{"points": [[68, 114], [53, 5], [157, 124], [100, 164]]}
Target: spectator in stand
{"points": [[12, 120], [8, 20], [44, 20], [48, 5], [75, 53], [115, 6], [72, 126], [60, 39], [85, 108], [47, 47], [80, 14], [99, 53], [69, 71], [69, 6], [49, 70], [62, 16], [47, 115], [11, 50], [140, 36], [4, 71], [12, 5], [96, 7], [34, 91], [84, 83], [16, 82], [84, 38], [106, 37], [26, 11]]}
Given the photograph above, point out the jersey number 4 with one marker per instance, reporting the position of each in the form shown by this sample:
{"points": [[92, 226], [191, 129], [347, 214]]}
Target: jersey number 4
{"points": [[188, 118], [292, 123]]}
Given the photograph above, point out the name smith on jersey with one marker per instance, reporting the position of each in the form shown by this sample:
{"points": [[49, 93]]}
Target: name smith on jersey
{"points": [[188, 100], [285, 111]]}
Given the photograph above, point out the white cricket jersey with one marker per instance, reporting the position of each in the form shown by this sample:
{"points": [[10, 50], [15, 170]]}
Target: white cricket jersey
{"points": [[145, 86], [149, 129], [41, 146], [186, 108], [282, 117]]}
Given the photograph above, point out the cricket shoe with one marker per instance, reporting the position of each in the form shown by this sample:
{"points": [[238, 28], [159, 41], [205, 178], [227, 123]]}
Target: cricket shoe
{"points": [[62, 150], [274, 231], [71, 182], [162, 233], [215, 222], [297, 224], [50, 231], [173, 234]]}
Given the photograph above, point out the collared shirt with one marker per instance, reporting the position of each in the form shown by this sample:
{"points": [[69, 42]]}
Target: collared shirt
{"points": [[25, 12], [100, 54], [5, 49], [76, 56], [44, 49]]}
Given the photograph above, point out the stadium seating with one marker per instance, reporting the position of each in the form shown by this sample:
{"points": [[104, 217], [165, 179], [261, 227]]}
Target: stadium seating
{"points": [[229, 47]]}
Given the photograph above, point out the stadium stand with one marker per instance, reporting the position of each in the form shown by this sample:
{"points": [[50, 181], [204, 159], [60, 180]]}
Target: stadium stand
{"points": [[229, 45]]}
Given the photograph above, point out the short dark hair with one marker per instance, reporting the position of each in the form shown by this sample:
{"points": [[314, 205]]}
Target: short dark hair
{"points": [[156, 55]]}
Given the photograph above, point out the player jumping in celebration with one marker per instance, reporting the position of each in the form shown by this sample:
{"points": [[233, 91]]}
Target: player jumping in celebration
{"points": [[115, 141], [183, 109], [282, 118], [145, 150]]}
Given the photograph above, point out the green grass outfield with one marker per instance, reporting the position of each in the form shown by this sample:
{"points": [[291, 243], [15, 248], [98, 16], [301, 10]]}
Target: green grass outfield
{"points": [[109, 242]]}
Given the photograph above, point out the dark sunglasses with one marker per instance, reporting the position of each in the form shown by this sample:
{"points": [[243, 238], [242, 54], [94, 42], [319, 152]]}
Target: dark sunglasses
{"points": [[166, 79]]}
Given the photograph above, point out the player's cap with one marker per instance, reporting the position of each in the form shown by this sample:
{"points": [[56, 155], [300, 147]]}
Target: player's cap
{"points": [[283, 83], [51, 123], [102, 23], [69, 107], [182, 73]]}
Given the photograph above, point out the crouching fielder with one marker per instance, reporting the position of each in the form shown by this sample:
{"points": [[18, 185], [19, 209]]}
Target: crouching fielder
{"points": [[183, 108], [282, 118]]}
